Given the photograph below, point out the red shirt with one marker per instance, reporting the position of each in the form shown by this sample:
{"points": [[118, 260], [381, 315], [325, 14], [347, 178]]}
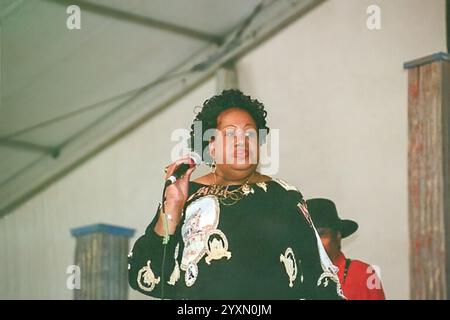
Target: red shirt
{"points": [[361, 283]]}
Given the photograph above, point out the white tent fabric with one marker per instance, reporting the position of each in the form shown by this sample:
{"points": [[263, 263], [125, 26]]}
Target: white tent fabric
{"points": [[66, 94]]}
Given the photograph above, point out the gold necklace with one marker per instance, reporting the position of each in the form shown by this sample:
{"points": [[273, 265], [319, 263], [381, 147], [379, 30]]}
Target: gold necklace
{"points": [[229, 198]]}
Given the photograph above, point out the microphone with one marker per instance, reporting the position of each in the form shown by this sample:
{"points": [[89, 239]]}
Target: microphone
{"points": [[194, 160]]}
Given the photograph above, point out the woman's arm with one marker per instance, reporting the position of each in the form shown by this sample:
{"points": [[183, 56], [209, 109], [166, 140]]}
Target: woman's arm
{"points": [[322, 280], [317, 275], [151, 263]]}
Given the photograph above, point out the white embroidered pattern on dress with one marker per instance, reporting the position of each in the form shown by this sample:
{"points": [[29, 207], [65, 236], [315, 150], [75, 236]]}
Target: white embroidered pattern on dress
{"points": [[201, 236], [146, 279], [176, 270], [290, 265]]}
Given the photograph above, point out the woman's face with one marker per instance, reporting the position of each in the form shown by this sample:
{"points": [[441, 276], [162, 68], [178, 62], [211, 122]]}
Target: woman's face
{"points": [[236, 141]]}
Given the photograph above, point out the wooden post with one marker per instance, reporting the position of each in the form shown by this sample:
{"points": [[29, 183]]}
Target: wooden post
{"points": [[101, 254], [429, 175]]}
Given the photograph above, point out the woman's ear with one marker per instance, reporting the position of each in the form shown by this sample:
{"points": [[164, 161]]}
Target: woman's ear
{"points": [[212, 147]]}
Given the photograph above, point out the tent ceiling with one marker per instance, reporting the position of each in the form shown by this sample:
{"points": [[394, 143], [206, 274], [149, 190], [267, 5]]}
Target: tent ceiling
{"points": [[63, 89]]}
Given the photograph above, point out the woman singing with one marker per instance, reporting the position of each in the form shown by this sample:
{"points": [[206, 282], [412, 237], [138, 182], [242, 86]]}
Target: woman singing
{"points": [[234, 233]]}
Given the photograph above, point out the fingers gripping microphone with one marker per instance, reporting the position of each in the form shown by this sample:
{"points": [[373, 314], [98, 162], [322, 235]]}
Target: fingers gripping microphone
{"points": [[194, 160]]}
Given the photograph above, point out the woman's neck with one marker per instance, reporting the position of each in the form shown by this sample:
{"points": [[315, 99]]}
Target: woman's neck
{"points": [[237, 179]]}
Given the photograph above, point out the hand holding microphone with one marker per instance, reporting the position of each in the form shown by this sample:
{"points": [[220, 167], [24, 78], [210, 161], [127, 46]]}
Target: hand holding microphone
{"points": [[182, 166], [177, 187]]}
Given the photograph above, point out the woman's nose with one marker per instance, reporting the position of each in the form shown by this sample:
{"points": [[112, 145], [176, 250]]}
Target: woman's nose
{"points": [[240, 139]]}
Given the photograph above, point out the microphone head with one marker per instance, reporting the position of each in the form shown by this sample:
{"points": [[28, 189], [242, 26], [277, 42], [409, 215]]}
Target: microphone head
{"points": [[195, 157]]}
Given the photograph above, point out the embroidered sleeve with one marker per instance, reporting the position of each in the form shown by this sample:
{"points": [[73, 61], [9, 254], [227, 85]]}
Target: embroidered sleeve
{"points": [[317, 274], [324, 282], [146, 265]]}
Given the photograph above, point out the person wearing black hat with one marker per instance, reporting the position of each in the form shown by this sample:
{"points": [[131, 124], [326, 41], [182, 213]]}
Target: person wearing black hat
{"points": [[358, 279]]}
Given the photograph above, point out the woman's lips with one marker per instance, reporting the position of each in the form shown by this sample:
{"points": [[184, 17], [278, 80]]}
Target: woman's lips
{"points": [[241, 153]]}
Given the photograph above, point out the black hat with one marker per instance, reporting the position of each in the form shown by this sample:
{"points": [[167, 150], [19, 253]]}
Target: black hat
{"points": [[324, 215]]}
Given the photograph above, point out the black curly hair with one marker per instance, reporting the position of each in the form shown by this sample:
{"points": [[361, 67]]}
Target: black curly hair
{"points": [[215, 105]]}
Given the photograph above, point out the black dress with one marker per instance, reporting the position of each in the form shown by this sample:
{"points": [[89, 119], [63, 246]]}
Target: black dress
{"points": [[263, 246]]}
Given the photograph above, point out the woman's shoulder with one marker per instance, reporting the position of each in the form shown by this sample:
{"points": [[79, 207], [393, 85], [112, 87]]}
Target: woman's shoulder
{"points": [[285, 185]]}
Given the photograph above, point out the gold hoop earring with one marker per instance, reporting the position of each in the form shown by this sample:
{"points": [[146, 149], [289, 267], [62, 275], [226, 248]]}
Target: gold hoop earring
{"points": [[213, 166]]}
